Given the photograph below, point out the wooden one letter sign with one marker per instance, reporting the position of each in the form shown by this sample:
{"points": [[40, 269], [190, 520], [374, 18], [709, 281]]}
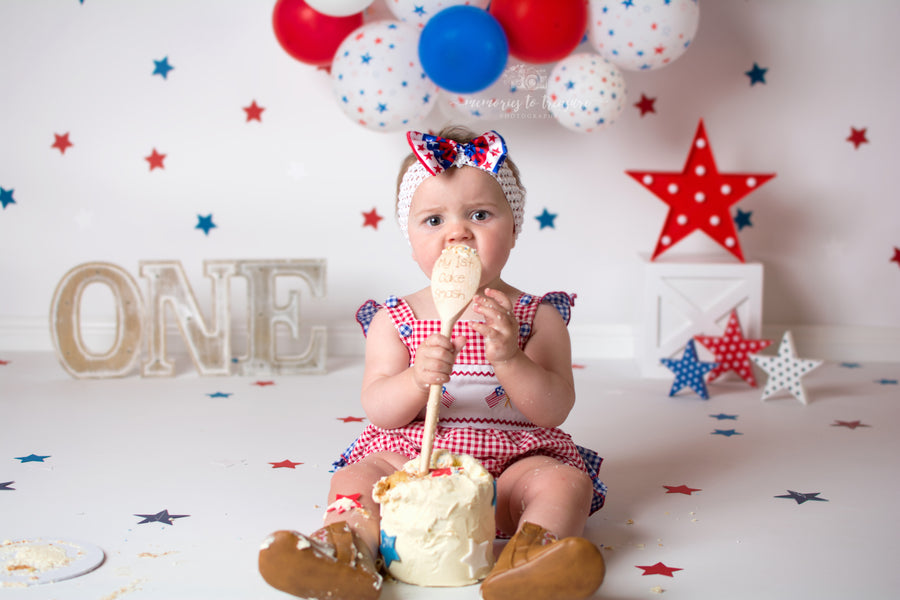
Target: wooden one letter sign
{"points": [[209, 344]]}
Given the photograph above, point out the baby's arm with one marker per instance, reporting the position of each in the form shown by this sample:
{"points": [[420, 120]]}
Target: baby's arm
{"points": [[538, 380], [393, 392]]}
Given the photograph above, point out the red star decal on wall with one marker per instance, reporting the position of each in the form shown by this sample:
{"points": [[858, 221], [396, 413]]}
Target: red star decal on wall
{"points": [[371, 218], [681, 489], [700, 197], [351, 419], [285, 464], [62, 142], [857, 137], [659, 569], [263, 383], [896, 258], [732, 350], [646, 105], [156, 160], [254, 112]]}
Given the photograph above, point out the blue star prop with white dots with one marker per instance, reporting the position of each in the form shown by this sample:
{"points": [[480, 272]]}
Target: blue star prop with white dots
{"points": [[546, 219], [689, 372], [162, 67]]}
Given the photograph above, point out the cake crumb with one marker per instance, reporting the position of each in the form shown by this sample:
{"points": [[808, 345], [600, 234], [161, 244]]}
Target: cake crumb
{"points": [[629, 522], [657, 589]]}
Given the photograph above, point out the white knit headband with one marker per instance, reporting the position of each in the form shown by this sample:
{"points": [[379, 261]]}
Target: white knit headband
{"points": [[486, 152]]}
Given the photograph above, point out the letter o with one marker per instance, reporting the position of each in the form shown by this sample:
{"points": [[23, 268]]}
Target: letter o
{"points": [[65, 321]]}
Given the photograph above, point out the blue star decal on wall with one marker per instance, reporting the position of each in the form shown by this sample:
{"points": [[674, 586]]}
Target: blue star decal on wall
{"points": [[31, 458], [726, 432], [162, 516], [723, 416], [219, 395], [742, 219], [689, 372], [6, 197], [162, 67], [4, 486], [757, 74], [801, 498], [388, 551], [546, 219], [205, 223], [886, 381]]}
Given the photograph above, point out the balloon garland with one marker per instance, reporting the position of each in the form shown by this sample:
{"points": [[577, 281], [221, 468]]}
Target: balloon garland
{"points": [[484, 58]]}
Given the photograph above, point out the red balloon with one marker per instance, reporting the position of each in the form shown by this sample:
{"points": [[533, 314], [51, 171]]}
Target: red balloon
{"points": [[541, 31], [308, 35]]}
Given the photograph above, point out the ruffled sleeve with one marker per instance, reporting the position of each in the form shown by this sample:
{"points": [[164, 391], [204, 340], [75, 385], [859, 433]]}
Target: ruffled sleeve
{"points": [[562, 302], [365, 314]]}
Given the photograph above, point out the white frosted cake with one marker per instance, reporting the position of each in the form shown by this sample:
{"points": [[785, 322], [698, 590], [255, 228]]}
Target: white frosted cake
{"points": [[438, 529]]}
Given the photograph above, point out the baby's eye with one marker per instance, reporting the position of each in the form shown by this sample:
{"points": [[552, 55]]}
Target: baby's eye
{"points": [[480, 215], [433, 221]]}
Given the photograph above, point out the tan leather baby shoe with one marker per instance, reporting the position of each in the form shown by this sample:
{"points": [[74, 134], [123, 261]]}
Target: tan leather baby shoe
{"points": [[537, 566], [331, 563]]}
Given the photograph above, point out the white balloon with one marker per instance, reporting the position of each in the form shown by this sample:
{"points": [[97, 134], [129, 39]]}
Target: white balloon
{"points": [[642, 34], [339, 8], [418, 12], [377, 79], [586, 92]]}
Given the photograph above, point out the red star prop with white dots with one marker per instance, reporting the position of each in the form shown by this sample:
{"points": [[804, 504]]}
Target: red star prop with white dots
{"points": [[371, 219], [254, 112], [732, 350], [700, 197], [62, 142], [156, 160]]}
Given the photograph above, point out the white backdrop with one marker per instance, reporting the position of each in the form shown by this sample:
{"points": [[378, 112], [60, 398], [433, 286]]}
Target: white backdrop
{"points": [[295, 185]]}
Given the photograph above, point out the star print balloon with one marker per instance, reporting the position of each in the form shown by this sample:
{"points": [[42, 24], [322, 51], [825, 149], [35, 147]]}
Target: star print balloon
{"points": [[418, 12], [377, 78], [640, 35], [585, 92]]}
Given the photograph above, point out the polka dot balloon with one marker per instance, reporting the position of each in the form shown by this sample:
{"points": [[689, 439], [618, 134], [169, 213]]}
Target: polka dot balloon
{"points": [[640, 35], [377, 78], [417, 12], [585, 92]]}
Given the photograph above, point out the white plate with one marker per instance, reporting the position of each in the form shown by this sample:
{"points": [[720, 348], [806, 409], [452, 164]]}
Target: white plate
{"points": [[83, 558]]}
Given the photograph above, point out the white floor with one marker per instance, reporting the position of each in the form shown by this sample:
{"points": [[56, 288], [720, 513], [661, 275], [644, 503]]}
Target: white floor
{"points": [[126, 447]]}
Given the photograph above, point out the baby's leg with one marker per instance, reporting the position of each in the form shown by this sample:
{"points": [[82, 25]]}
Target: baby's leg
{"points": [[544, 491], [547, 504], [355, 482]]}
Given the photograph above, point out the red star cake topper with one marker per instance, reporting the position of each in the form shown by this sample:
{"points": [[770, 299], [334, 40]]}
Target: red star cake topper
{"points": [[699, 197]]}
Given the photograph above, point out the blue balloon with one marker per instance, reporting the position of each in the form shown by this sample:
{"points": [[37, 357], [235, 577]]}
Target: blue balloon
{"points": [[463, 49]]}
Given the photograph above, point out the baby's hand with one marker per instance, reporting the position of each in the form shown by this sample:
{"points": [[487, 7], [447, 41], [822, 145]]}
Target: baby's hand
{"points": [[434, 360], [500, 328]]}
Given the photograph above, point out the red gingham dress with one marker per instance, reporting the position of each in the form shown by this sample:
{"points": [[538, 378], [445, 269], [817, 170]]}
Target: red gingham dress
{"points": [[476, 416]]}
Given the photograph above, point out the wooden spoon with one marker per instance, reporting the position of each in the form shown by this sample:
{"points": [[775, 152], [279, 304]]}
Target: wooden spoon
{"points": [[454, 281]]}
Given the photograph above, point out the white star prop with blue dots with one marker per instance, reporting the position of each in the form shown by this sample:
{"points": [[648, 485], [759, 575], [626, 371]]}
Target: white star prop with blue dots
{"points": [[689, 371], [785, 371]]}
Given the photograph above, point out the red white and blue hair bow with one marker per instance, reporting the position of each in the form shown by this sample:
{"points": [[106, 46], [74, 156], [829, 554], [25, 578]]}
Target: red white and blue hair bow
{"points": [[486, 152]]}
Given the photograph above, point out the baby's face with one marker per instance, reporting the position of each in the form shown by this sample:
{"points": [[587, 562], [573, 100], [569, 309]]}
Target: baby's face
{"points": [[462, 206]]}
